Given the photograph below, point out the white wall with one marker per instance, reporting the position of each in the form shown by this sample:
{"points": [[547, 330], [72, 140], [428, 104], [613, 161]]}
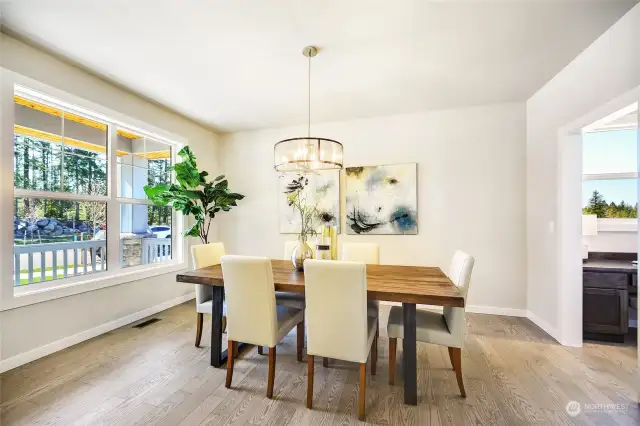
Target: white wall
{"points": [[613, 242], [471, 191], [25, 331], [606, 69]]}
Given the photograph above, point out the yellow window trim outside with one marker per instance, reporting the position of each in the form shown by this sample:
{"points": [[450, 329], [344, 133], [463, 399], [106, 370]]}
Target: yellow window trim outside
{"points": [[68, 116], [26, 131]]}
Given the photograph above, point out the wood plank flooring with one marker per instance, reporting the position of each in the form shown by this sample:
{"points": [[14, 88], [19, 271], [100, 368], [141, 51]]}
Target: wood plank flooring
{"points": [[514, 374]]}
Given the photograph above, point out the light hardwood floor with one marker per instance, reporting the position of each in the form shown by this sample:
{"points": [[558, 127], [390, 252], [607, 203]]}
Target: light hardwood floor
{"points": [[514, 374]]}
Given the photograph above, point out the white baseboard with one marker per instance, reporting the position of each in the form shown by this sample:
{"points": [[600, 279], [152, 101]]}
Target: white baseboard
{"points": [[545, 326], [42, 351], [493, 310]]}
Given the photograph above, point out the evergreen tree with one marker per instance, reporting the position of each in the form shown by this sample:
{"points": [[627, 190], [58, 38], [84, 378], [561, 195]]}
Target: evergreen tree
{"points": [[597, 205]]}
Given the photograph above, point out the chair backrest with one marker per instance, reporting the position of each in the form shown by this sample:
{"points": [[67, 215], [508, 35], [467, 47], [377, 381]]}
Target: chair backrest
{"points": [[204, 255], [460, 274], [251, 300], [288, 249], [336, 309], [368, 253]]}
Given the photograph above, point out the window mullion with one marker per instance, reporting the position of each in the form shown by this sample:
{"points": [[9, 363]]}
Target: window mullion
{"points": [[113, 206], [62, 152]]}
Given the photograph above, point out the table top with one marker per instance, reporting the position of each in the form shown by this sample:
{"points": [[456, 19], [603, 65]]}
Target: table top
{"points": [[394, 283]]}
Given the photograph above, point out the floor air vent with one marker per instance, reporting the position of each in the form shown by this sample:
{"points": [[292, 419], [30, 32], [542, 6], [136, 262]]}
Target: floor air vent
{"points": [[147, 323]]}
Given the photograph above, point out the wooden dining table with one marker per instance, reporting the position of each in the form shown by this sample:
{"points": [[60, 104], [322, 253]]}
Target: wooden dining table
{"points": [[409, 285]]}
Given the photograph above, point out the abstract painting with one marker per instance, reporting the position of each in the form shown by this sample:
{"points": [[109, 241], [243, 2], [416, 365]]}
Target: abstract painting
{"points": [[382, 199], [320, 188]]}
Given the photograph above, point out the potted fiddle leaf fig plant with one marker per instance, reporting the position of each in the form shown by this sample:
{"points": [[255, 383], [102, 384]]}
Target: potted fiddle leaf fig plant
{"points": [[193, 195]]}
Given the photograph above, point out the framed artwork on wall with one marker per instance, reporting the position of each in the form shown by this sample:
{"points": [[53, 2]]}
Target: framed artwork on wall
{"points": [[382, 200]]}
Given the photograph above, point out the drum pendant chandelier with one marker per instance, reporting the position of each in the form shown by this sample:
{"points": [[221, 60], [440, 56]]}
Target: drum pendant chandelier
{"points": [[307, 154]]}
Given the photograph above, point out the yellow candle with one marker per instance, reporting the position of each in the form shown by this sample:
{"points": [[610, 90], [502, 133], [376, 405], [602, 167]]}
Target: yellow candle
{"points": [[333, 234]]}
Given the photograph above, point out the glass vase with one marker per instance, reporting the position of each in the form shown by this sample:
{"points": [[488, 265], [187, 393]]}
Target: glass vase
{"points": [[300, 253]]}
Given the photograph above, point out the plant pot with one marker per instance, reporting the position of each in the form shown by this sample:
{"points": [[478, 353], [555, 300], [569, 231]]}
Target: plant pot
{"points": [[300, 253]]}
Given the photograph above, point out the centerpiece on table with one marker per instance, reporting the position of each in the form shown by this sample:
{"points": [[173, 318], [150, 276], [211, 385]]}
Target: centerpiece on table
{"points": [[308, 214]]}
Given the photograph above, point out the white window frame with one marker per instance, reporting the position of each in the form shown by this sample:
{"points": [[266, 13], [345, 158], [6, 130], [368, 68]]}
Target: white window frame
{"points": [[613, 224], [12, 297]]}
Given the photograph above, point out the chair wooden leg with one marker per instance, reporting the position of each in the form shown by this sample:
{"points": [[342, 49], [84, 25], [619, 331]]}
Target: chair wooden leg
{"points": [[235, 350], [309, 381], [260, 350], [325, 362], [272, 371], [457, 365], [374, 355], [363, 387], [392, 359], [300, 339], [224, 323], [451, 358], [230, 358], [199, 320]]}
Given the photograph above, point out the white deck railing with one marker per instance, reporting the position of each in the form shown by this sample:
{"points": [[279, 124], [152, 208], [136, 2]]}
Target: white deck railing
{"points": [[155, 250], [61, 260], [86, 256]]}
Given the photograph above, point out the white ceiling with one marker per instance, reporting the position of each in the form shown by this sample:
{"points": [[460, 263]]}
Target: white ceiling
{"points": [[234, 65]]}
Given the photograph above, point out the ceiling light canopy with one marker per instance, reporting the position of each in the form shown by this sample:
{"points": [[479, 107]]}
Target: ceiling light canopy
{"points": [[307, 154]]}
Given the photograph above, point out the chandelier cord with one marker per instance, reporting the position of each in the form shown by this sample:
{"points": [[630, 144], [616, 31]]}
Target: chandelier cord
{"points": [[309, 101]]}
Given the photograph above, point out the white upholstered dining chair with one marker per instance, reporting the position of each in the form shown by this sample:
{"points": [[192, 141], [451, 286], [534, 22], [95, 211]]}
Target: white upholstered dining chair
{"points": [[446, 329], [368, 253], [337, 322], [254, 316], [204, 255]]}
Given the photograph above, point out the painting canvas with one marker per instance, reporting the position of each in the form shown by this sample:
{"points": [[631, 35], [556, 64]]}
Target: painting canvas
{"points": [[382, 199], [322, 188]]}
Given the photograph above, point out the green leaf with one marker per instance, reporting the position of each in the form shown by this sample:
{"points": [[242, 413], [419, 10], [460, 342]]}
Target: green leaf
{"points": [[218, 178], [187, 156], [159, 194], [222, 185], [194, 231], [187, 175]]}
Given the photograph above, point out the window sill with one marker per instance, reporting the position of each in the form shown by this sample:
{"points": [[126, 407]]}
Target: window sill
{"points": [[618, 225], [24, 296]]}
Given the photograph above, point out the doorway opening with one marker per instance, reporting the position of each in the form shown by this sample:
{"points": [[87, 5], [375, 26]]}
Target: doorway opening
{"points": [[610, 227], [575, 191]]}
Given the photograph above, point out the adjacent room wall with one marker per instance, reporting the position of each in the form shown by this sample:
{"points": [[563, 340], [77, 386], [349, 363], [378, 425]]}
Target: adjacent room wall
{"points": [[613, 242], [608, 68], [471, 183], [27, 331]]}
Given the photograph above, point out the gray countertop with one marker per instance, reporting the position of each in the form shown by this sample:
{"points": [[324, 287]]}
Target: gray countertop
{"points": [[610, 266]]}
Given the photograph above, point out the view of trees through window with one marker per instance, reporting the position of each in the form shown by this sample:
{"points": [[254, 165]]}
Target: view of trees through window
{"points": [[599, 206], [609, 167], [62, 169], [38, 166]]}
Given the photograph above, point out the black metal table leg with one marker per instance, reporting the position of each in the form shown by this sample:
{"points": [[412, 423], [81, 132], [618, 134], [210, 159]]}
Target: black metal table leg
{"points": [[217, 356], [409, 354]]}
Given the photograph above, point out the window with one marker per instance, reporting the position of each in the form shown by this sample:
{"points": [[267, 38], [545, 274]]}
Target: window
{"points": [[610, 177], [74, 173], [60, 180], [145, 230]]}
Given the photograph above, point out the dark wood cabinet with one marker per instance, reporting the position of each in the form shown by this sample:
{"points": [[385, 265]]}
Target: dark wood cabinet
{"points": [[605, 310], [605, 300]]}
